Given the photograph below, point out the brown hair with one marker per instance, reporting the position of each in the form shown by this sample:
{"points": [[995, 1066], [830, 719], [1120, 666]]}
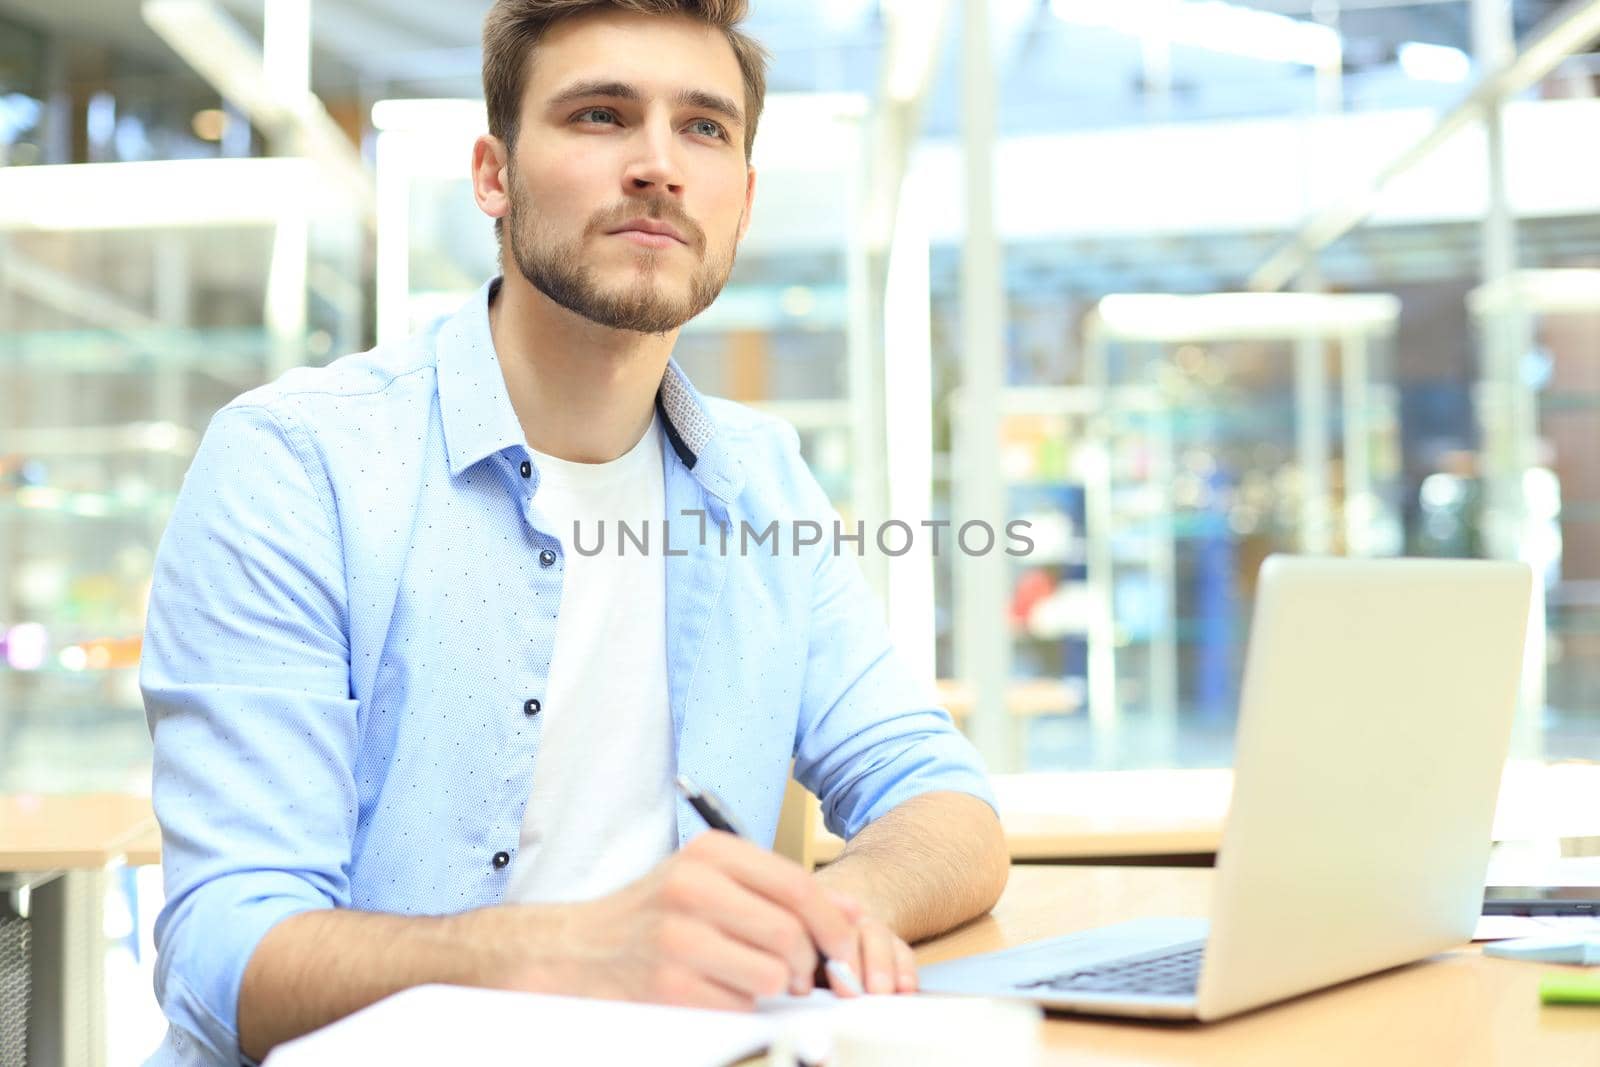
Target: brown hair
{"points": [[513, 27]]}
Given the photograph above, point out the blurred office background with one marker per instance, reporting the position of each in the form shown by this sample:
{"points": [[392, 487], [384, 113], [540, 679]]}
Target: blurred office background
{"points": [[1180, 282]]}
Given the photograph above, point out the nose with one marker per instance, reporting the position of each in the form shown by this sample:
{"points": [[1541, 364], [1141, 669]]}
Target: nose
{"points": [[654, 167]]}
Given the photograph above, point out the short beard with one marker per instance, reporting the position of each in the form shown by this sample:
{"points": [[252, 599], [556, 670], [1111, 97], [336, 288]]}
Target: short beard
{"points": [[557, 270]]}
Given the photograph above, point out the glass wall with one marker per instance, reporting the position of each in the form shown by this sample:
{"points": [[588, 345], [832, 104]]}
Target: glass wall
{"points": [[118, 345], [1429, 397], [154, 264], [1227, 448], [1156, 464]]}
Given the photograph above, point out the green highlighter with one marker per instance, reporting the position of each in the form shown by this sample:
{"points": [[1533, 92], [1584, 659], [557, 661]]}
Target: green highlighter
{"points": [[1570, 989]]}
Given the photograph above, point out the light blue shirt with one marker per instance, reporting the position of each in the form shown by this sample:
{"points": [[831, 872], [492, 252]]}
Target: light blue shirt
{"points": [[353, 614]]}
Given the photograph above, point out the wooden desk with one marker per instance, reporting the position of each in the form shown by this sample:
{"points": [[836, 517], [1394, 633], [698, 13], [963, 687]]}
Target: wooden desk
{"points": [[1461, 1008], [1086, 816], [1117, 815], [145, 849], [44, 832], [1457, 1010], [54, 854]]}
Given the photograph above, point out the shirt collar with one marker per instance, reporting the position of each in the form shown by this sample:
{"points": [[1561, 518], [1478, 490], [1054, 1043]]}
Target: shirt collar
{"points": [[479, 420]]}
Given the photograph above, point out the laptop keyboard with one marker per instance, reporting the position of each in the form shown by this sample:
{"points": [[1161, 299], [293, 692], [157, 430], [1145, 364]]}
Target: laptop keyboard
{"points": [[1168, 974]]}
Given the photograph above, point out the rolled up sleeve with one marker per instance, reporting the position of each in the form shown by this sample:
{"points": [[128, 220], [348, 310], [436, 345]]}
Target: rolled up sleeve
{"points": [[245, 676], [871, 735]]}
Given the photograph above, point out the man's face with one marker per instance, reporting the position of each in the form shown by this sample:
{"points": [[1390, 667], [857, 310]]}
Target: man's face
{"points": [[628, 185]]}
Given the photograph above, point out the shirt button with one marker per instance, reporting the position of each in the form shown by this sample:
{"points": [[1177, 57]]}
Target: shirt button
{"points": [[531, 707], [502, 860], [547, 558], [527, 469]]}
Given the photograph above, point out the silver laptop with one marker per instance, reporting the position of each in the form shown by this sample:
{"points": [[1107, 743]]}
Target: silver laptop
{"points": [[1376, 712]]}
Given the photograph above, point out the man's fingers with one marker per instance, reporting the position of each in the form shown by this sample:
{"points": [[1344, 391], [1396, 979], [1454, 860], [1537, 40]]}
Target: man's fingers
{"points": [[756, 921], [905, 967], [786, 884], [684, 988], [884, 964], [725, 961], [879, 966]]}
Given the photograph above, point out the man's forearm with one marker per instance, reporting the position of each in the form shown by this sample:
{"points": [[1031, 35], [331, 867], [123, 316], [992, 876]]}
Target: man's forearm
{"points": [[932, 863], [719, 924], [319, 966]]}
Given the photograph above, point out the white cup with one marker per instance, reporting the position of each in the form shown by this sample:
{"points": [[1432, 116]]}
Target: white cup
{"points": [[923, 1031]]}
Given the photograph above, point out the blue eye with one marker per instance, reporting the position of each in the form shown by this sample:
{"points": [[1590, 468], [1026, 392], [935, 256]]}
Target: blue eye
{"points": [[707, 128], [596, 114]]}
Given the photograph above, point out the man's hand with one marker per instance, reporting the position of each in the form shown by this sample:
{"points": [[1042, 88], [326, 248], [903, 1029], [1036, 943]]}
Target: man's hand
{"points": [[716, 925], [884, 963]]}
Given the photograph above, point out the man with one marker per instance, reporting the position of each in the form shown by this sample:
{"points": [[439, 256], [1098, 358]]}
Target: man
{"points": [[406, 732]]}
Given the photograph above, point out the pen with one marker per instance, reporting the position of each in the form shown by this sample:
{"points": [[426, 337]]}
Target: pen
{"points": [[716, 816]]}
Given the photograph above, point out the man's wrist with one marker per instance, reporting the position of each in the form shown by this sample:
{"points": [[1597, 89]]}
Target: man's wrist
{"points": [[508, 946]]}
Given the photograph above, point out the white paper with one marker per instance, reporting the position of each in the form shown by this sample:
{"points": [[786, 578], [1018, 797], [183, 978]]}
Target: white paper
{"points": [[910, 1030], [439, 1025], [1505, 927], [804, 1023]]}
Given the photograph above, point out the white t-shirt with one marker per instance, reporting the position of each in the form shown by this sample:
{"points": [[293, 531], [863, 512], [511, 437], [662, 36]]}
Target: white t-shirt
{"points": [[603, 808]]}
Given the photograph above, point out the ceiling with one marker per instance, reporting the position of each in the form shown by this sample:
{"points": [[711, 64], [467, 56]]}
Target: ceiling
{"points": [[1057, 76]]}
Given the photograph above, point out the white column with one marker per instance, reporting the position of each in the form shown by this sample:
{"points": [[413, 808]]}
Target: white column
{"points": [[286, 61], [1507, 340], [1311, 444], [869, 326], [1360, 498], [1094, 464], [982, 580], [908, 422]]}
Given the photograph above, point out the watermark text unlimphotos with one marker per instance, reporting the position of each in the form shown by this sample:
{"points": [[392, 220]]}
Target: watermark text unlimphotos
{"points": [[795, 537]]}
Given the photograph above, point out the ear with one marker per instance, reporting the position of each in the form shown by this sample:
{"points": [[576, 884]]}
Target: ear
{"points": [[749, 201], [491, 161]]}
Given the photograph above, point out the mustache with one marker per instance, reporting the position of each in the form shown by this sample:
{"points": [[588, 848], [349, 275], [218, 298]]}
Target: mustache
{"points": [[657, 209]]}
